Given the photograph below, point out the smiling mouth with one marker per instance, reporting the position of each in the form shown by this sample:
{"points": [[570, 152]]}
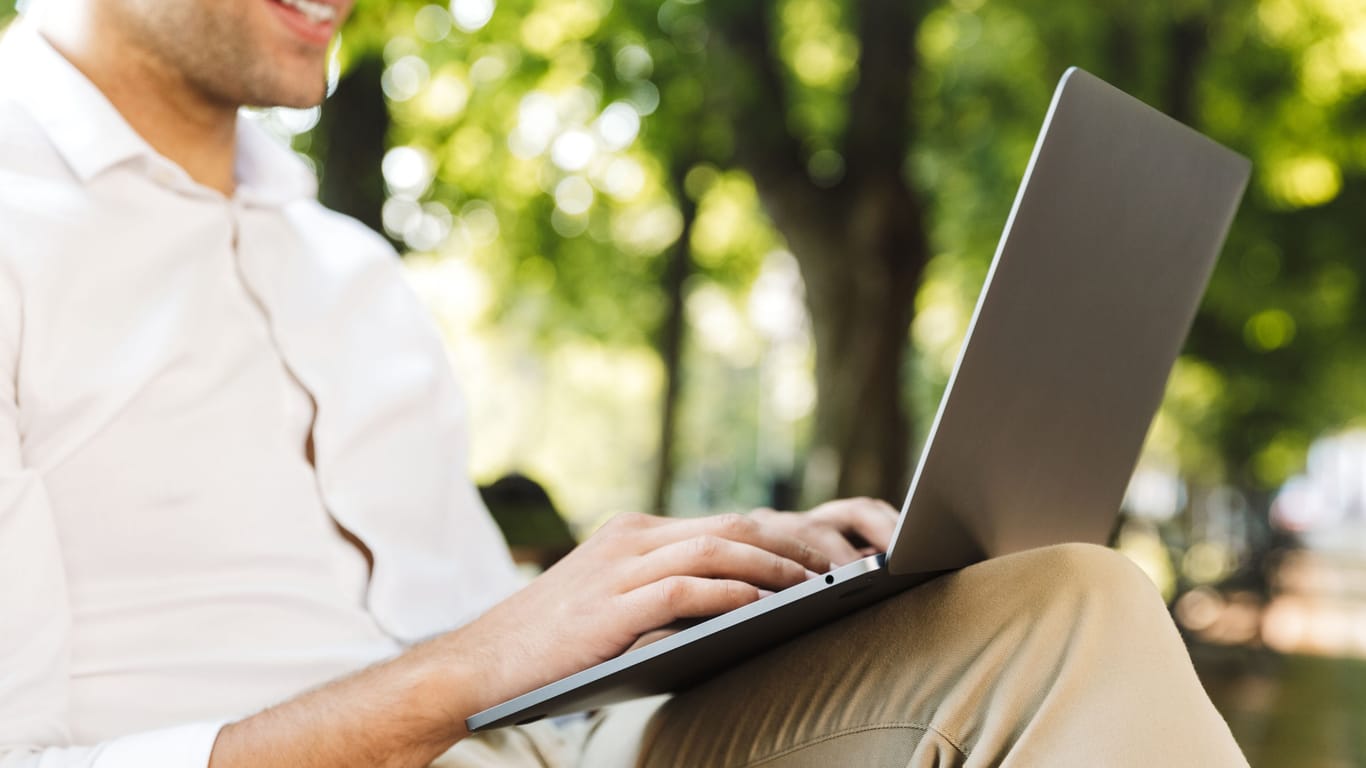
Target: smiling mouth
{"points": [[318, 13]]}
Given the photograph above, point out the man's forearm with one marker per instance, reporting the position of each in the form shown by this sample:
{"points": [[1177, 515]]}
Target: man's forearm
{"points": [[404, 712], [636, 574]]}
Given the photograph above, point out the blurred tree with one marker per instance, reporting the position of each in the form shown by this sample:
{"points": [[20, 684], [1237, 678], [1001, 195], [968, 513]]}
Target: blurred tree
{"points": [[1277, 356], [823, 128], [350, 141], [708, 87], [844, 117], [1283, 325]]}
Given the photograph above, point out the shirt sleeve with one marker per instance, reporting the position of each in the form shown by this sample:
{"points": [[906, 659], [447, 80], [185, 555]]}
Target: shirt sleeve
{"points": [[35, 616], [184, 746]]}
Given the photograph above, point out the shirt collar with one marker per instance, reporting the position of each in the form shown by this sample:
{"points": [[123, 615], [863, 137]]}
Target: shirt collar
{"points": [[268, 172], [92, 136]]}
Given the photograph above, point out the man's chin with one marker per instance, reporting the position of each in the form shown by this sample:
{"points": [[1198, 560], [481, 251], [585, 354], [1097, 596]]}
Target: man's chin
{"points": [[294, 99], [285, 83], [302, 103]]}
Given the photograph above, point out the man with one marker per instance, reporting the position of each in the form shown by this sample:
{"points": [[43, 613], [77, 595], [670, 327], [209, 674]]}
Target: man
{"points": [[234, 528]]}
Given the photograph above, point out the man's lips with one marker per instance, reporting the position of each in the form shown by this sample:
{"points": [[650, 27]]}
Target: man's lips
{"points": [[315, 28]]}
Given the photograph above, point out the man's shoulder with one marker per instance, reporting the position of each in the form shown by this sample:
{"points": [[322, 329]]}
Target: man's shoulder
{"points": [[22, 140], [342, 237], [30, 165], [32, 172], [335, 222]]}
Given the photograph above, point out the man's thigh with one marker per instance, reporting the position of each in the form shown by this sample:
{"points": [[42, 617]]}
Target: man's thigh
{"points": [[630, 731], [1049, 657]]}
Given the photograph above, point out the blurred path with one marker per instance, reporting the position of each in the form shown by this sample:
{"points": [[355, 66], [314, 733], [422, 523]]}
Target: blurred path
{"points": [[1297, 710], [1289, 711]]}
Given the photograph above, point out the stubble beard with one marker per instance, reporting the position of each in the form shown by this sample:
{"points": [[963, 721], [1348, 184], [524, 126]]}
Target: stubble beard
{"points": [[212, 51]]}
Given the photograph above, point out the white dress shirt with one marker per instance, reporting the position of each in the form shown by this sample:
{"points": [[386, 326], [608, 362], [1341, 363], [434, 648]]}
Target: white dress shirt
{"points": [[197, 395]]}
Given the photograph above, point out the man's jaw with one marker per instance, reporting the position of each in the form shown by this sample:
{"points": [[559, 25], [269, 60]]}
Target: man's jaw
{"points": [[312, 21]]}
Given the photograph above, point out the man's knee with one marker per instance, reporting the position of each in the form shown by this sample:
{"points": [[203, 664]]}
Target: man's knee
{"points": [[1084, 585], [1062, 584], [1089, 565]]}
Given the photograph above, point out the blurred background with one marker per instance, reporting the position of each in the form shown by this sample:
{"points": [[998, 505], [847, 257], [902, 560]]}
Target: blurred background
{"points": [[701, 255]]}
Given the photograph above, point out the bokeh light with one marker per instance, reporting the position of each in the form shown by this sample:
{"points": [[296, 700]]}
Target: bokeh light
{"points": [[472, 15]]}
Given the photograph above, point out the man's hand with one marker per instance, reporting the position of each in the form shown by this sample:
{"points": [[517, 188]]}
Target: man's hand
{"points": [[640, 573], [634, 576], [843, 530]]}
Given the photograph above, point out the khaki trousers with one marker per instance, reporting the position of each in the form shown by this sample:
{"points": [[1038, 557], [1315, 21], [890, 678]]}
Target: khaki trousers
{"points": [[1063, 656]]}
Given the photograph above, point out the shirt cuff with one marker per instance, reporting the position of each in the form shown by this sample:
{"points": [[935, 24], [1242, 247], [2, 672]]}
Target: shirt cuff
{"points": [[184, 746]]}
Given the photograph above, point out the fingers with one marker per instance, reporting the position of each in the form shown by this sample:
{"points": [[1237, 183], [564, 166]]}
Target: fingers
{"points": [[678, 597], [872, 520], [824, 535], [832, 543], [652, 637], [736, 528], [718, 558]]}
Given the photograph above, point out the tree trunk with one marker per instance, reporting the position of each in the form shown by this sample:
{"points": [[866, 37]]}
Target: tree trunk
{"points": [[1188, 42], [671, 336], [352, 137], [861, 245], [861, 310]]}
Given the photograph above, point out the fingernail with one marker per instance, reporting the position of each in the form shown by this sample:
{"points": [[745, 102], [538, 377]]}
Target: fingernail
{"points": [[810, 574]]}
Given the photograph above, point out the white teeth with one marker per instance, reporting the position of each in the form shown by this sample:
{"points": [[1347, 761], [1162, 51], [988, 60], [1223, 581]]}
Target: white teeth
{"points": [[316, 12]]}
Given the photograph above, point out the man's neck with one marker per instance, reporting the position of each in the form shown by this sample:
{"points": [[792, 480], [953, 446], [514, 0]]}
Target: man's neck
{"points": [[171, 115]]}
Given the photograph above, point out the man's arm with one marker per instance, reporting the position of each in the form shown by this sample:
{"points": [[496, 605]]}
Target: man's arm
{"points": [[33, 608], [637, 574]]}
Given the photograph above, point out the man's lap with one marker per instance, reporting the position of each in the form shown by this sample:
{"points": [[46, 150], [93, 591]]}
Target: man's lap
{"points": [[1004, 657]]}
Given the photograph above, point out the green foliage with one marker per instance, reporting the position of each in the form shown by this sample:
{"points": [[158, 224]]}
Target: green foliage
{"points": [[1278, 354], [579, 228]]}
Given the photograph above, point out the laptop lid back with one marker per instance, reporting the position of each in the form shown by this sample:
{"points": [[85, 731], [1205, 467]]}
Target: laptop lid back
{"points": [[1104, 258]]}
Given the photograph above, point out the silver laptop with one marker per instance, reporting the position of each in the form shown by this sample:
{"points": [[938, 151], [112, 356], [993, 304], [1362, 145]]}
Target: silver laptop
{"points": [[1104, 258]]}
